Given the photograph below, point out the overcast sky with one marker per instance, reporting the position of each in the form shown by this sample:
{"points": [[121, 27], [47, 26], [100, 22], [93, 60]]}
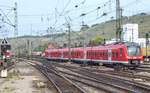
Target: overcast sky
{"points": [[35, 16]]}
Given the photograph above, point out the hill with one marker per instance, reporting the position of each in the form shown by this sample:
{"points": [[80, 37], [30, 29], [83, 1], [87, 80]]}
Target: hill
{"points": [[106, 30]]}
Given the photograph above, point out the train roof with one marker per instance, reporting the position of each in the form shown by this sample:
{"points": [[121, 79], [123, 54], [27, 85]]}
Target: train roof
{"points": [[113, 45]]}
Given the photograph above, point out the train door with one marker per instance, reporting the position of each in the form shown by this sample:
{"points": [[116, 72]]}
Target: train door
{"points": [[62, 55], [109, 55]]}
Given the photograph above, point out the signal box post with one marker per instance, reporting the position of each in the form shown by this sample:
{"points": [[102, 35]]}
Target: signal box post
{"points": [[4, 48]]}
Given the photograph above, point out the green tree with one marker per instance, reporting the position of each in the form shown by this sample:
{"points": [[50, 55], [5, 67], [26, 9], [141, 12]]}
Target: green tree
{"points": [[96, 41], [41, 48]]}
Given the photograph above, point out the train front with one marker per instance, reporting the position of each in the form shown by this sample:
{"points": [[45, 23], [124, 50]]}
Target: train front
{"points": [[134, 55]]}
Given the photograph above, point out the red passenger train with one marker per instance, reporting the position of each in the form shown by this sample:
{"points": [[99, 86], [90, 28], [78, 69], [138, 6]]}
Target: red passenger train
{"points": [[117, 54]]}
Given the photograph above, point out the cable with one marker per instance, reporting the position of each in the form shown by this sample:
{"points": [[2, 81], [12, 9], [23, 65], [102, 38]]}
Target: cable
{"points": [[65, 7], [4, 6]]}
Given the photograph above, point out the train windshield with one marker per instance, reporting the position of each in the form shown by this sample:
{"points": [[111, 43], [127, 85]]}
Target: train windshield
{"points": [[134, 51]]}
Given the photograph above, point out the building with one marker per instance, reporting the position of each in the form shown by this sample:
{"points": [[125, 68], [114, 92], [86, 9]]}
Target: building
{"points": [[130, 34]]}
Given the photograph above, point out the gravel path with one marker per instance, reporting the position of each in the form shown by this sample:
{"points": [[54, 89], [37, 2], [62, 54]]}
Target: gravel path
{"points": [[24, 79]]}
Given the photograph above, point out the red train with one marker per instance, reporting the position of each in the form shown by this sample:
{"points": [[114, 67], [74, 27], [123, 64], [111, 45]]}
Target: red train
{"points": [[117, 54]]}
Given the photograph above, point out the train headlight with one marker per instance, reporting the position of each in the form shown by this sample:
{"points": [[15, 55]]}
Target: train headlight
{"points": [[141, 61]]}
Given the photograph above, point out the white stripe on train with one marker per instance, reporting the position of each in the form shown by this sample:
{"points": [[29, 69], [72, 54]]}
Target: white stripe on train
{"points": [[104, 61]]}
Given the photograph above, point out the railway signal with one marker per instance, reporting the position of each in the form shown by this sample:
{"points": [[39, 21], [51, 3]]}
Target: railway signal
{"points": [[5, 54], [147, 42], [4, 41]]}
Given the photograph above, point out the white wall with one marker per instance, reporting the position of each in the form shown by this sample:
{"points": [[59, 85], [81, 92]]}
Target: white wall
{"points": [[130, 32]]}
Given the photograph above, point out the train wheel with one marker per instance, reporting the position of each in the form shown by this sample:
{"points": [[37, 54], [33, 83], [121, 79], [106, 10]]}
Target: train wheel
{"points": [[100, 64], [133, 68], [118, 67], [125, 68]]}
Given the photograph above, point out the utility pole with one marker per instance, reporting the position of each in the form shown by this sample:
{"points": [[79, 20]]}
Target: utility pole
{"points": [[31, 48], [16, 20], [28, 48], [69, 40], [16, 28], [147, 41], [118, 20]]}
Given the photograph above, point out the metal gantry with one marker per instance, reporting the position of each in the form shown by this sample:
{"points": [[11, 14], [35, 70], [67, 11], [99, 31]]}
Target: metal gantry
{"points": [[118, 20]]}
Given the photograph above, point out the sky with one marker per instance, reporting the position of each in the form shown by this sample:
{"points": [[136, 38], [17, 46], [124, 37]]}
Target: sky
{"points": [[39, 17]]}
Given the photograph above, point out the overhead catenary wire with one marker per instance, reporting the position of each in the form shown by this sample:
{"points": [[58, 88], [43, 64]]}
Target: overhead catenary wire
{"points": [[109, 12], [77, 18]]}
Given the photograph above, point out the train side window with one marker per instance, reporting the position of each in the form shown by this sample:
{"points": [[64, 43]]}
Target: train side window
{"points": [[113, 54], [90, 53], [116, 54], [104, 53], [98, 53], [87, 53], [94, 53], [121, 52]]}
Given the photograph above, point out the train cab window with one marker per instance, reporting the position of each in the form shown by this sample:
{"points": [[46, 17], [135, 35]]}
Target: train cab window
{"points": [[134, 51]]}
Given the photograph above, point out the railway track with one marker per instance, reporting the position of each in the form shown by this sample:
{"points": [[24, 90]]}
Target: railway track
{"points": [[62, 84], [9, 66], [132, 74], [127, 74], [110, 80], [143, 70], [95, 83], [130, 86]]}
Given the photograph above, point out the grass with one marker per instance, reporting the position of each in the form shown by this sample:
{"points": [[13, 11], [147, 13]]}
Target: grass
{"points": [[8, 90]]}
